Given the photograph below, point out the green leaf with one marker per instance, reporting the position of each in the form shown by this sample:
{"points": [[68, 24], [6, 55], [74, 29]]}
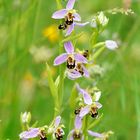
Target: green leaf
{"points": [[52, 85], [98, 52], [73, 96], [98, 45], [93, 38], [57, 81], [35, 124]]}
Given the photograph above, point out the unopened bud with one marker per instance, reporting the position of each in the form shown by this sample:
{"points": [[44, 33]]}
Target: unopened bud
{"points": [[26, 117]]}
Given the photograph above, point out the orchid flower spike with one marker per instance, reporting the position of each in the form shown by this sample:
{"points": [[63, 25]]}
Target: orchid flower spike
{"points": [[70, 57], [79, 70], [91, 106], [70, 15]]}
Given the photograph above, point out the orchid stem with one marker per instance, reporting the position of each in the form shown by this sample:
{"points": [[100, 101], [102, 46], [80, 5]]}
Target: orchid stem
{"points": [[97, 53], [85, 127], [98, 45]]}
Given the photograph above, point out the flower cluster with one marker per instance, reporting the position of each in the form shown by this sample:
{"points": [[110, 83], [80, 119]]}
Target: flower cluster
{"points": [[74, 62], [55, 129], [88, 105], [76, 66]]}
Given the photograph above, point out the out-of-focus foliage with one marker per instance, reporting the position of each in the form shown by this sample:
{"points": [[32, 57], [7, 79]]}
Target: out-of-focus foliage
{"points": [[29, 38]]}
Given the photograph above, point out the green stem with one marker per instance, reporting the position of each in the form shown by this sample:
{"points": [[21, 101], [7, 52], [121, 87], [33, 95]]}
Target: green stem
{"points": [[93, 39], [61, 84], [93, 124], [98, 45], [97, 53], [85, 127]]}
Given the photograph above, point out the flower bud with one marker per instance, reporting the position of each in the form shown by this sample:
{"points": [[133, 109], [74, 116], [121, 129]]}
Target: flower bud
{"points": [[93, 23], [25, 117], [110, 44], [103, 20]]}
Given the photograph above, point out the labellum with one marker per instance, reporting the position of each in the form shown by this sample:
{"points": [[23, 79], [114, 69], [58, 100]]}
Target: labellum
{"points": [[94, 112], [59, 134], [70, 63], [69, 19]]}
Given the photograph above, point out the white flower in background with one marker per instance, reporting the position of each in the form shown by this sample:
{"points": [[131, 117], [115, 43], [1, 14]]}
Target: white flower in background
{"points": [[40, 54], [103, 20], [110, 44]]}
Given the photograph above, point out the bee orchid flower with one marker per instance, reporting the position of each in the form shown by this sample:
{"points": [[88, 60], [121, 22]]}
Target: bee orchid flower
{"points": [[91, 106], [58, 132], [70, 15], [76, 133], [70, 57]]}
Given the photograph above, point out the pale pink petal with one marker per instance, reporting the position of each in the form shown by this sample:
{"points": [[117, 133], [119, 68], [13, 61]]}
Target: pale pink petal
{"points": [[95, 134], [70, 4], [69, 47], [80, 58], [31, 133], [59, 14], [81, 24], [78, 122], [57, 121], [73, 75], [77, 17], [98, 105], [60, 59], [70, 29], [87, 98], [86, 73], [84, 111]]}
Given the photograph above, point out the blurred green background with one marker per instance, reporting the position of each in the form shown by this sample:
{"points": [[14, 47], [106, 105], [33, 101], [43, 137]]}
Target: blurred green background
{"points": [[29, 38]]}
